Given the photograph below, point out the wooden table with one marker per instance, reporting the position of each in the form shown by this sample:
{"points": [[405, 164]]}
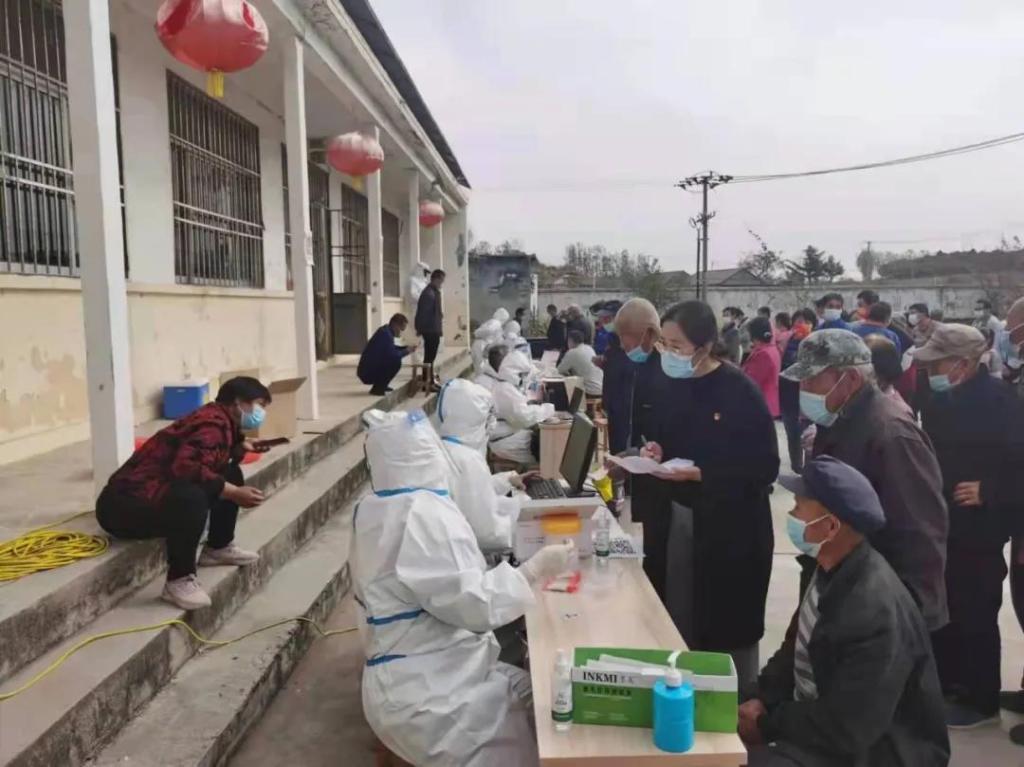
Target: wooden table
{"points": [[618, 608], [553, 438]]}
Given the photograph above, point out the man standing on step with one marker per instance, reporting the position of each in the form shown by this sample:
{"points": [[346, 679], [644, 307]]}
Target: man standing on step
{"points": [[429, 324], [182, 476]]}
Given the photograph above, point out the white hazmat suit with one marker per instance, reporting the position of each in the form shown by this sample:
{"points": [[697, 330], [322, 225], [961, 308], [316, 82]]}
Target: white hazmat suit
{"points": [[464, 410], [485, 335], [513, 432], [501, 315], [433, 689]]}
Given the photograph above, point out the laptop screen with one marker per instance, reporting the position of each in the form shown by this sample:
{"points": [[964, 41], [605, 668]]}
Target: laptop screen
{"points": [[579, 452]]}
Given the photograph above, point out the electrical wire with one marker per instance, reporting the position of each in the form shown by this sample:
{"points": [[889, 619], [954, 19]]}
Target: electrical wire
{"points": [[44, 549], [215, 643], [965, 149]]}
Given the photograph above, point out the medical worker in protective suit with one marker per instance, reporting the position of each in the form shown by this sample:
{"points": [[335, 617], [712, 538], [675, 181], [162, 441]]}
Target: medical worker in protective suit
{"points": [[514, 436], [487, 334], [464, 411], [433, 689]]}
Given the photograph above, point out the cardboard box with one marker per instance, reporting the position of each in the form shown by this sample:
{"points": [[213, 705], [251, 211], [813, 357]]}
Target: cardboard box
{"points": [[627, 700], [281, 420]]}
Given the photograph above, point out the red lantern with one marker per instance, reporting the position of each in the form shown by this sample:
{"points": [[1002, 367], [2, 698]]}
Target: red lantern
{"points": [[431, 213], [215, 36], [355, 154]]}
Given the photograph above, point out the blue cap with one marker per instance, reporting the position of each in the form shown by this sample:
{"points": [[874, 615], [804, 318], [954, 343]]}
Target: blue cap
{"points": [[840, 488]]}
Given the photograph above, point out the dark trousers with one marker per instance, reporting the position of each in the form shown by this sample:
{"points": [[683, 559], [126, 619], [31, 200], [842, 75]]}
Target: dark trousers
{"points": [[179, 518], [430, 343], [381, 378], [791, 423], [967, 650], [1017, 582]]}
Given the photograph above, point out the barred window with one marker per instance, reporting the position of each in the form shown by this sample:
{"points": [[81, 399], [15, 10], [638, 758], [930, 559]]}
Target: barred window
{"points": [[354, 224], [215, 172], [289, 283], [392, 281], [37, 214]]}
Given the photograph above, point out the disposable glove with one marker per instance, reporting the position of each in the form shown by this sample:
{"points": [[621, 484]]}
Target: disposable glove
{"points": [[548, 562]]}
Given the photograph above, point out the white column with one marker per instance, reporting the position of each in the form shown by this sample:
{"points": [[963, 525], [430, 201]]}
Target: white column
{"points": [[302, 236], [413, 222], [375, 244], [437, 247], [100, 240], [456, 284]]}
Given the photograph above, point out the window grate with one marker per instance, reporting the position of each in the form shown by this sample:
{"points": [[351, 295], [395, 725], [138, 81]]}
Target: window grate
{"points": [[391, 229], [37, 214], [289, 282], [354, 222], [215, 172]]}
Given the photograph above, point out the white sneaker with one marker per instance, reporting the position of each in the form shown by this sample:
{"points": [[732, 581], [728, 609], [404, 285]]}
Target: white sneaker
{"points": [[229, 555], [186, 593]]}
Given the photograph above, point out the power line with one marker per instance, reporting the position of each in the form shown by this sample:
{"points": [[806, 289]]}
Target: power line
{"points": [[965, 149]]}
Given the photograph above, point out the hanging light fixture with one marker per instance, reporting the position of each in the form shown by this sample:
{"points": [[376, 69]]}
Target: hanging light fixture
{"points": [[214, 36]]}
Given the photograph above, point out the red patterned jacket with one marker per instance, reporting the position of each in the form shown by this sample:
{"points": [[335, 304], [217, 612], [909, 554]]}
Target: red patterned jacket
{"points": [[196, 448]]}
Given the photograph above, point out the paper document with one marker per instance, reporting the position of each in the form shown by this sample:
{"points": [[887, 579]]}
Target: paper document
{"points": [[636, 464]]}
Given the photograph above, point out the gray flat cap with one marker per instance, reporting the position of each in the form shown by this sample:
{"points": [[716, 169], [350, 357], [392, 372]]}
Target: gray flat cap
{"points": [[825, 349]]}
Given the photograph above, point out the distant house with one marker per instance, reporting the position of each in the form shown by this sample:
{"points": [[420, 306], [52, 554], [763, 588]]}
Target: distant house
{"points": [[504, 280], [733, 278]]}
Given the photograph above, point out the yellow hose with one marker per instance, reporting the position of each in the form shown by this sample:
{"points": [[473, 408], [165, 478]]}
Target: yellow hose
{"points": [[173, 622], [45, 549]]}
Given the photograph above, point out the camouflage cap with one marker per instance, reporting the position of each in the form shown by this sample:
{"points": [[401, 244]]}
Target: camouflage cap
{"points": [[825, 349]]}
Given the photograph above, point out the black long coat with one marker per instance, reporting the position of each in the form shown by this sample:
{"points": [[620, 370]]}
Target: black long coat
{"points": [[721, 422]]}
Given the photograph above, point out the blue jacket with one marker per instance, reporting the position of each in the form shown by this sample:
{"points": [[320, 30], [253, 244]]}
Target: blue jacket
{"points": [[834, 325], [864, 330], [380, 353]]}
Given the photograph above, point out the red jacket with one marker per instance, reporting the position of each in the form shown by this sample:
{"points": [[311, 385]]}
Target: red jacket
{"points": [[196, 449], [763, 366]]}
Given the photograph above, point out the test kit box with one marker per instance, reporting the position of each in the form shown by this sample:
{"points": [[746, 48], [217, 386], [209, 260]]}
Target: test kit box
{"points": [[625, 698], [530, 538]]}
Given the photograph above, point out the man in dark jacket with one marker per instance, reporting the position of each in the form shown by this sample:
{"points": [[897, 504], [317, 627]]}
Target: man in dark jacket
{"points": [[556, 330], [382, 358], [975, 423], [855, 685], [860, 426], [429, 323], [574, 320]]}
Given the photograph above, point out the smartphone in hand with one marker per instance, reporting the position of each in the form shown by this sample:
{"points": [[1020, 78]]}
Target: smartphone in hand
{"points": [[262, 445]]}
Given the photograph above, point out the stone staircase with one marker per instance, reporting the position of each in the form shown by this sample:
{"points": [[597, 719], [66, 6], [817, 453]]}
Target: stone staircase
{"points": [[158, 698]]}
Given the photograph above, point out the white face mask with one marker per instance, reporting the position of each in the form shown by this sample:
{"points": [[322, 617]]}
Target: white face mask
{"points": [[913, 318], [979, 313], [833, 314]]}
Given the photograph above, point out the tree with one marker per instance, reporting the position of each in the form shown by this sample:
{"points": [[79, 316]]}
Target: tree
{"points": [[763, 262], [647, 281], [815, 266], [867, 260], [482, 248], [509, 246]]}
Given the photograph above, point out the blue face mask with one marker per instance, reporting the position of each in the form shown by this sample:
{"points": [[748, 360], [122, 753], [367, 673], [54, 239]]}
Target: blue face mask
{"points": [[253, 419], [676, 365], [638, 355], [814, 406], [940, 383], [796, 529], [1009, 351]]}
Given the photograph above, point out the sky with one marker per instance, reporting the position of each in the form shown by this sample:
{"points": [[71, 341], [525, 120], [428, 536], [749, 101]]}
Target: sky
{"points": [[572, 119]]}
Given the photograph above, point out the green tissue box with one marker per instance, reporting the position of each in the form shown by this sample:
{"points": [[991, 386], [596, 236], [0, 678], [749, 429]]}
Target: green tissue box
{"points": [[609, 691]]}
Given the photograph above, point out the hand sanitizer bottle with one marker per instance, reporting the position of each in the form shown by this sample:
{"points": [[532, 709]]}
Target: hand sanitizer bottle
{"points": [[673, 713], [602, 539], [561, 692]]}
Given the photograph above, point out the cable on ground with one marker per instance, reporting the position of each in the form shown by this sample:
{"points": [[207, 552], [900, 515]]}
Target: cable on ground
{"points": [[162, 624], [45, 549]]}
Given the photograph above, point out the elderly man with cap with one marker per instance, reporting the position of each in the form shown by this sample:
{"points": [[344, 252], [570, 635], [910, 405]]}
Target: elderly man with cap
{"points": [[855, 683], [977, 427], [860, 426]]}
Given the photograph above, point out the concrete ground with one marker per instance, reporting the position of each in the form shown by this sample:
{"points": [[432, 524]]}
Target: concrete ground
{"points": [[316, 720], [52, 486]]}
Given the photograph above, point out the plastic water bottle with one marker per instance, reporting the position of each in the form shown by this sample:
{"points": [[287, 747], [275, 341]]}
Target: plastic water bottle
{"points": [[602, 540], [561, 692], [673, 713]]}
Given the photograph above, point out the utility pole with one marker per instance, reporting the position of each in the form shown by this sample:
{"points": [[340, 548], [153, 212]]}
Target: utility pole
{"points": [[698, 226], [707, 180]]}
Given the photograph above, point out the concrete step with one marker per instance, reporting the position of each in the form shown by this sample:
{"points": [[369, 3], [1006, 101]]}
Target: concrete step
{"points": [[201, 716], [67, 716], [38, 612]]}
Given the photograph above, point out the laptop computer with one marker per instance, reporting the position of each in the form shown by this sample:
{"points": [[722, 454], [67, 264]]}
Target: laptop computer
{"points": [[576, 460]]}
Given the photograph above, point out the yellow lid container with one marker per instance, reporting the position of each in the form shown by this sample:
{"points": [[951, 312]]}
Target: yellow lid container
{"points": [[561, 524]]}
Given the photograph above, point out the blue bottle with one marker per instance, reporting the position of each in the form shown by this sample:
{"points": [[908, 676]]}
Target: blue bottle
{"points": [[673, 713]]}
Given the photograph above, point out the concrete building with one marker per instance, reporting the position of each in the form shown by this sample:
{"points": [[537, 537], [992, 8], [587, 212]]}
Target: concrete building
{"points": [[187, 236], [505, 280]]}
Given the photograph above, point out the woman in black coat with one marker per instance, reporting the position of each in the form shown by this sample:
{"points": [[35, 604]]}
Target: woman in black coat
{"points": [[708, 411]]}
